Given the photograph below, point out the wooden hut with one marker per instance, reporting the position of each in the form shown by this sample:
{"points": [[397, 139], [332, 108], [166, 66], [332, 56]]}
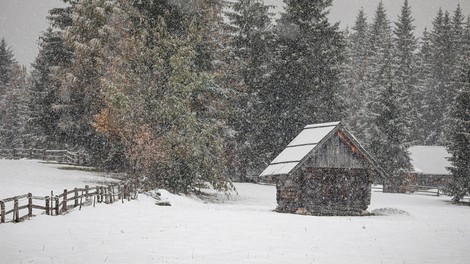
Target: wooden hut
{"points": [[324, 171], [429, 167]]}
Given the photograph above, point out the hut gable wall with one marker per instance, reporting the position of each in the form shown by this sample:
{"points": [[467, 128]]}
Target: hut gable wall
{"points": [[337, 152]]}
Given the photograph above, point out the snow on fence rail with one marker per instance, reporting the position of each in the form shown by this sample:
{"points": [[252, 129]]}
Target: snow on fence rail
{"points": [[59, 204], [432, 190], [61, 156]]}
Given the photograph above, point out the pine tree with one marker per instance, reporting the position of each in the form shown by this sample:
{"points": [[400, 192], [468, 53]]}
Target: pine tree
{"points": [[357, 73], [9, 98], [13, 108], [6, 63], [45, 103], [80, 95], [43, 123], [405, 45], [379, 49], [441, 82], [304, 83], [387, 127], [426, 109], [459, 139], [457, 37], [248, 56], [380, 30]]}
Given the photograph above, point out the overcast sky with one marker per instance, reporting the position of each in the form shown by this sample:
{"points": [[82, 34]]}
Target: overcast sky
{"points": [[21, 21]]}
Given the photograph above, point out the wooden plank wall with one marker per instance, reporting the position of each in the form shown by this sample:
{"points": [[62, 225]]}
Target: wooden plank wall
{"points": [[335, 153]]}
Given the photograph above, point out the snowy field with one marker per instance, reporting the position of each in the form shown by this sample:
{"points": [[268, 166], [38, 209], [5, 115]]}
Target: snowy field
{"points": [[240, 229]]}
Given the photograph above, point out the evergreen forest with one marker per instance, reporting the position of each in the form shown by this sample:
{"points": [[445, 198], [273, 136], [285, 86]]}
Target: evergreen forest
{"points": [[185, 94]]}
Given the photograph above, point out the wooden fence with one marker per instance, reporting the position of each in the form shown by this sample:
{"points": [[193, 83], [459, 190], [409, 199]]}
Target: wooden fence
{"points": [[22, 206], [61, 156], [431, 190]]}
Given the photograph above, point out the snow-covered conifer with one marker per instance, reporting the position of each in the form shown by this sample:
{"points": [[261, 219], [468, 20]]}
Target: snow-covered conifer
{"points": [[305, 79], [387, 127], [459, 133], [247, 58], [405, 45], [6, 63]]}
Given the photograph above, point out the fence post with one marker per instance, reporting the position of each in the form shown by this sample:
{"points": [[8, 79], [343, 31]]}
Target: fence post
{"points": [[106, 195], [130, 192], [44, 155], [30, 204], [81, 200], [2, 212], [86, 192], [64, 204], [52, 202], [111, 193], [47, 205], [96, 194], [16, 213], [56, 205], [76, 197], [102, 194]]}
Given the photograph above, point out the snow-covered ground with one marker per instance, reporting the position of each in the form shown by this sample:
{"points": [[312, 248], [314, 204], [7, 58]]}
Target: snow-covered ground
{"points": [[240, 229], [19, 177]]}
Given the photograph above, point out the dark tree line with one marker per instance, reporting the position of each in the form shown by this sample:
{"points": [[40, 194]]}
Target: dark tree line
{"points": [[403, 89], [178, 97]]}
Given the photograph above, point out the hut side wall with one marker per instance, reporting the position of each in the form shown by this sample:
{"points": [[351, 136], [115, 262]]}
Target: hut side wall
{"points": [[289, 194], [336, 191]]}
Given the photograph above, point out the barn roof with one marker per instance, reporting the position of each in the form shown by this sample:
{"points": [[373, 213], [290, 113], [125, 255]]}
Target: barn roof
{"points": [[430, 160], [304, 144]]}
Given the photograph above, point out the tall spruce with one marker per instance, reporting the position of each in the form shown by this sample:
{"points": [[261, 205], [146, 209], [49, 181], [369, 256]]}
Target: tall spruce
{"points": [[426, 113], [251, 36], [80, 95], [459, 133], [14, 109], [6, 63], [43, 123], [305, 78], [45, 103], [357, 73], [457, 39], [441, 79], [387, 127], [405, 45], [378, 47], [9, 95]]}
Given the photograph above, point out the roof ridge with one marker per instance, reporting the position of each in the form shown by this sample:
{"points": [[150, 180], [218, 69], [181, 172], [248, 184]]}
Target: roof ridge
{"points": [[328, 124]]}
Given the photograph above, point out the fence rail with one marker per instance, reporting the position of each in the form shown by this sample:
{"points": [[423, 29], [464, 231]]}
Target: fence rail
{"points": [[426, 189], [61, 203], [61, 156]]}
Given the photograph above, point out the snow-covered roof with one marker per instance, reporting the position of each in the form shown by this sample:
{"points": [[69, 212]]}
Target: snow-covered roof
{"points": [[430, 160], [299, 148]]}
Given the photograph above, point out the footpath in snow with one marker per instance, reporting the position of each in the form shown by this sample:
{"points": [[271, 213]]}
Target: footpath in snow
{"points": [[239, 229]]}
